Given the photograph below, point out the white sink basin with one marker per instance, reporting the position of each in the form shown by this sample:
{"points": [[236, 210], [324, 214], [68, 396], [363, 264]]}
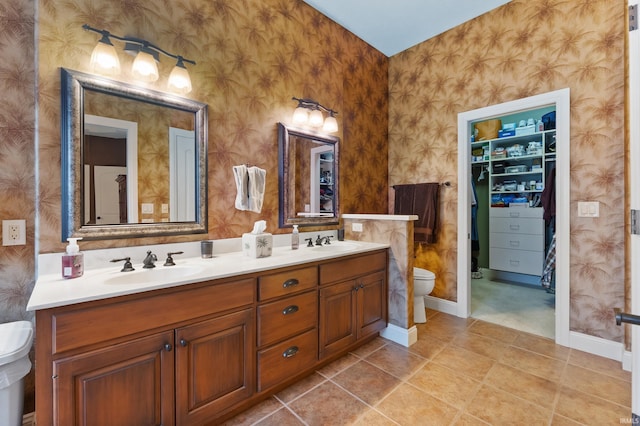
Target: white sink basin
{"points": [[157, 274], [337, 246]]}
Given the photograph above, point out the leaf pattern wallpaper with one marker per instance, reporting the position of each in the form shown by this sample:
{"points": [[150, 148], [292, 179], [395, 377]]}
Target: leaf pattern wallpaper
{"points": [[524, 48], [397, 115]]}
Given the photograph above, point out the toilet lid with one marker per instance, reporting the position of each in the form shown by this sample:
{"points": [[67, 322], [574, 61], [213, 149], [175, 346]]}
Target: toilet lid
{"points": [[15, 340], [423, 273]]}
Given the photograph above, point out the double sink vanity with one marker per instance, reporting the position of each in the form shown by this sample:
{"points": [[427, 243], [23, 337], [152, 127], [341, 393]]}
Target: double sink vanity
{"points": [[200, 341]]}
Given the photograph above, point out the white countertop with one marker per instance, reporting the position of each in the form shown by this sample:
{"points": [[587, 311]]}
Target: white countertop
{"points": [[400, 217], [51, 290]]}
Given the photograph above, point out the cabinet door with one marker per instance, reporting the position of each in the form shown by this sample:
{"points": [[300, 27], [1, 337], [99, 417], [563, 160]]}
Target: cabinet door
{"points": [[126, 384], [215, 366], [337, 317], [372, 303]]}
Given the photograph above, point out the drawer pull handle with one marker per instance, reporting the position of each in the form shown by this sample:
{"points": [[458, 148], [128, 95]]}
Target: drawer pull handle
{"points": [[183, 343], [514, 227], [292, 351], [167, 347], [514, 262], [514, 243], [290, 310], [290, 283]]}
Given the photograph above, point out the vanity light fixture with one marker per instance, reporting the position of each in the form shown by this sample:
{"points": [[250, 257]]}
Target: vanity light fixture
{"points": [[104, 60], [309, 112]]}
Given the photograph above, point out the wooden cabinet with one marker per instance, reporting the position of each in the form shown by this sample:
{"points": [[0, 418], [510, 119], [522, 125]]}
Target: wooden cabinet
{"points": [[104, 386], [353, 302], [200, 353]]}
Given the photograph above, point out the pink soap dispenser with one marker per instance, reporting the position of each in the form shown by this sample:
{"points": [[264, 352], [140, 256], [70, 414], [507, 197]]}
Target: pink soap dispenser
{"points": [[72, 260]]}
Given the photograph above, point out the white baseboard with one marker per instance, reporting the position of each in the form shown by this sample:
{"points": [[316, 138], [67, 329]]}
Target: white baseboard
{"points": [[402, 336], [441, 305], [626, 361]]}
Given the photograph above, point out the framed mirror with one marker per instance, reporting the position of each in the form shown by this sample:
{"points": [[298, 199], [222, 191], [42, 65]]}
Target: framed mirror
{"points": [[308, 177], [134, 160]]}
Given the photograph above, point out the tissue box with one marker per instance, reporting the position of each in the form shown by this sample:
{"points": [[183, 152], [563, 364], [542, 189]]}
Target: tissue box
{"points": [[257, 245]]}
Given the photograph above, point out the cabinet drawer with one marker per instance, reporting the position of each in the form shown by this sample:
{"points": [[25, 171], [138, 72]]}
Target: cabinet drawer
{"points": [[516, 225], [516, 241], [287, 317], [350, 268], [523, 212], [93, 324], [288, 282], [519, 261], [285, 359]]}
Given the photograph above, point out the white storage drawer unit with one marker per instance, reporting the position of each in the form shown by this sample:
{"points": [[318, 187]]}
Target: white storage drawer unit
{"points": [[516, 240]]}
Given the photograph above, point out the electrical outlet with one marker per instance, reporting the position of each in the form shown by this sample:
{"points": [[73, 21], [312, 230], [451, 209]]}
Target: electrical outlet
{"points": [[14, 232], [356, 227]]}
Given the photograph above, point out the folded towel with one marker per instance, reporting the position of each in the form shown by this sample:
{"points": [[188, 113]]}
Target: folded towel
{"points": [[257, 179], [242, 185]]}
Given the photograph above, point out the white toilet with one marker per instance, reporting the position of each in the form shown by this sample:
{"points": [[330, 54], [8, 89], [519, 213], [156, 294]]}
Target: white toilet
{"points": [[423, 282]]}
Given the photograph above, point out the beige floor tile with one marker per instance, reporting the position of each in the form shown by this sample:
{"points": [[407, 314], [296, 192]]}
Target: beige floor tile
{"points": [[494, 331], [443, 383], [367, 382], [427, 347], [372, 346], [396, 360], [522, 384], [479, 344], [255, 413], [282, 417], [468, 420], [462, 361], [338, 365], [501, 408], [600, 364], [326, 403], [559, 420], [598, 384], [443, 326], [542, 346], [588, 409], [533, 363], [408, 405], [300, 387], [374, 418]]}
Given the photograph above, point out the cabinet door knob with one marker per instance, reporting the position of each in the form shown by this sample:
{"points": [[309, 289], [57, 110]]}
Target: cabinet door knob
{"points": [[183, 343], [290, 283], [292, 351], [290, 310], [168, 347]]}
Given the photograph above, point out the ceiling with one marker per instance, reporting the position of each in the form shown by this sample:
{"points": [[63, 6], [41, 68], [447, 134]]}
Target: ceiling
{"points": [[394, 26]]}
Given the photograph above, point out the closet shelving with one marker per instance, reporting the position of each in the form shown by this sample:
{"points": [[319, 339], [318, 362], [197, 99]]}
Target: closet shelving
{"points": [[326, 183]]}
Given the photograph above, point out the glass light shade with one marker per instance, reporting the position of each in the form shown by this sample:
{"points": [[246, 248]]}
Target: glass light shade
{"points": [[300, 115], [179, 80], [144, 67], [330, 124], [104, 59], [315, 118]]}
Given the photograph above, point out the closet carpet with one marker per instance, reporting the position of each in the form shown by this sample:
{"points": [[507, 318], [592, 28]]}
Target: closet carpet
{"points": [[462, 371], [525, 308]]}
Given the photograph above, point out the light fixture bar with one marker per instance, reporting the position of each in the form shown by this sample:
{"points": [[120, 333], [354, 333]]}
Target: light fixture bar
{"points": [[309, 112]]}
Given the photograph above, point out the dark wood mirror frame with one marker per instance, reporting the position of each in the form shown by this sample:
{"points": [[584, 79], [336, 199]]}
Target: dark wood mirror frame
{"points": [[73, 85], [287, 137]]}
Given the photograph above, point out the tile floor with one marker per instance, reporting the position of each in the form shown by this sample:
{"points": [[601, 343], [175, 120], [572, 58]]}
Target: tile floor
{"points": [[460, 372]]}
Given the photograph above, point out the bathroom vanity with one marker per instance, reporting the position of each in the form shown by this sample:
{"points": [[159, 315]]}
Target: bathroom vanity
{"points": [[200, 349]]}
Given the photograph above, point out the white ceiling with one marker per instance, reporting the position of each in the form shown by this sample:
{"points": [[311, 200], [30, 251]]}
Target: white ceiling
{"points": [[392, 26]]}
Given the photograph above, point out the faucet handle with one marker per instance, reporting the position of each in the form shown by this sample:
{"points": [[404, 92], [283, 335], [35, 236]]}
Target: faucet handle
{"points": [[127, 264], [169, 261], [310, 242], [327, 239]]}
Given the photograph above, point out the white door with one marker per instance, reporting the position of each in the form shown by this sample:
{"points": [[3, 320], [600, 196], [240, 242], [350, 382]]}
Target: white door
{"points": [[107, 193], [182, 172], [634, 199]]}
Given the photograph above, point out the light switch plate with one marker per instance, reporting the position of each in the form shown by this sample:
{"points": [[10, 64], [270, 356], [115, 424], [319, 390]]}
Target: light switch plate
{"points": [[356, 227], [588, 209], [147, 208]]}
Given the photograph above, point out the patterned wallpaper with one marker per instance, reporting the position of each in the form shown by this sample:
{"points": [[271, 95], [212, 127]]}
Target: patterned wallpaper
{"points": [[523, 48]]}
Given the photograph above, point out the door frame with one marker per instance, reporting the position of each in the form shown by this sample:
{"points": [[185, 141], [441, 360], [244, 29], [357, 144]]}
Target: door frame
{"points": [[561, 100]]}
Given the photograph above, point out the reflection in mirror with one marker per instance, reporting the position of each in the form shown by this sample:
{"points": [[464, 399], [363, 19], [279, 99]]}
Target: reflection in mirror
{"points": [[308, 164], [134, 160]]}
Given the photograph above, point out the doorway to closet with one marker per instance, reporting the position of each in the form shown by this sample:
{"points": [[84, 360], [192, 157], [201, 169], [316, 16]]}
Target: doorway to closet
{"points": [[511, 260]]}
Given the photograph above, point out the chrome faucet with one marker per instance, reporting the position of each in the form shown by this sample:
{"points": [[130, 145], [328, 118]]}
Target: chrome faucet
{"points": [[326, 240], [149, 260]]}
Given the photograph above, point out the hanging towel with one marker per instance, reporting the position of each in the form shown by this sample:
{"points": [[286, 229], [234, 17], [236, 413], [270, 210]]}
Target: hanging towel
{"points": [[257, 178], [241, 177], [420, 199]]}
